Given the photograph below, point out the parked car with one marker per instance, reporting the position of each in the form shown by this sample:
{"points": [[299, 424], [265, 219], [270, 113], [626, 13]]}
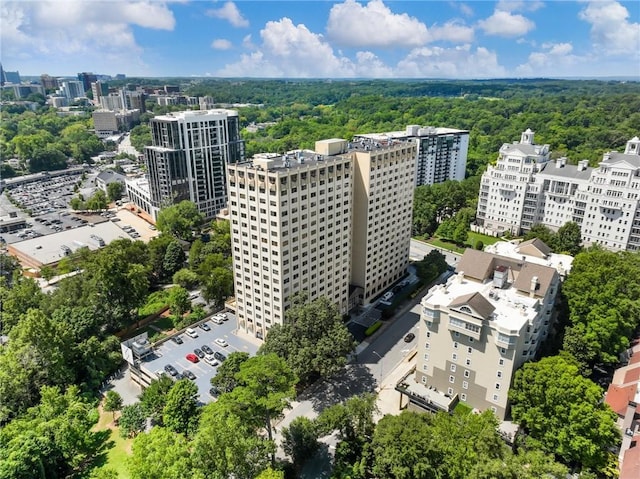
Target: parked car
{"points": [[198, 353], [211, 360], [387, 296], [221, 342], [170, 369], [177, 339], [192, 358], [214, 391], [191, 332], [205, 327], [207, 349], [188, 374], [219, 356], [409, 337], [216, 319]]}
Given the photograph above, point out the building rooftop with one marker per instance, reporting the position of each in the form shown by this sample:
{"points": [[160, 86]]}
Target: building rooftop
{"points": [[516, 250], [49, 249], [524, 148], [292, 160], [411, 131], [566, 171], [193, 114], [511, 309], [618, 397]]}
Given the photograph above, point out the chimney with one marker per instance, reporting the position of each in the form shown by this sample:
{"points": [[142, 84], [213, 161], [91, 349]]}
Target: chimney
{"points": [[460, 277], [560, 162], [534, 286], [582, 165]]}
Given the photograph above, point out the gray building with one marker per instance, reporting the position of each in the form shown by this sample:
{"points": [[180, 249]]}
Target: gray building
{"points": [[189, 156]]}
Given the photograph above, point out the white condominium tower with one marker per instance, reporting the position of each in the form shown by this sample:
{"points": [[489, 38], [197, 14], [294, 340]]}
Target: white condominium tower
{"points": [[334, 222], [189, 156], [442, 152], [525, 188]]}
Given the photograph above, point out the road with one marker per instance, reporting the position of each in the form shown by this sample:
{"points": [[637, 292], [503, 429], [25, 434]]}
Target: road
{"points": [[420, 249], [125, 146]]}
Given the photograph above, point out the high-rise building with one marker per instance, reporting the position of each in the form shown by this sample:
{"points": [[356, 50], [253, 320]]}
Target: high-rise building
{"points": [[333, 222], [189, 156], [11, 77], [48, 82], [480, 327], [525, 187], [99, 89], [442, 152], [87, 79], [71, 89]]}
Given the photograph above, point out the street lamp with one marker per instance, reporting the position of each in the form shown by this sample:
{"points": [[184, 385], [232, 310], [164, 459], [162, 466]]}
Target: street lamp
{"points": [[380, 380]]}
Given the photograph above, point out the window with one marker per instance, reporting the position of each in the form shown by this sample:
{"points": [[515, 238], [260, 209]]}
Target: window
{"points": [[465, 385], [450, 391], [501, 362], [463, 397], [454, 357], [496, 398], [426, 356], [469, 350], [497, 385], [426, 346], [494, 410], [424, 379], [455, 344], [499, 374], [452, 379], [466, 373], [468, 362], [453, 368]]}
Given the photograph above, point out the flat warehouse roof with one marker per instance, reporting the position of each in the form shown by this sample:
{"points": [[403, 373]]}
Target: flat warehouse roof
{"points": [[49, 249]]}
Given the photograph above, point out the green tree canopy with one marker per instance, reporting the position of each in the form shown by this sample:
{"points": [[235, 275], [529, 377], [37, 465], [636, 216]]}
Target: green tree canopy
{"points": [[115, 190], [180, 413], [160, 454], [225, 378], [180, 220], [563, 412], [313, 339]]}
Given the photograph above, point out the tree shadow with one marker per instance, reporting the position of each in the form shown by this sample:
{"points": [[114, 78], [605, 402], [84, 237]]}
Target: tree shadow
{"points": [[100, 446], [318, 466], [354, 380]]}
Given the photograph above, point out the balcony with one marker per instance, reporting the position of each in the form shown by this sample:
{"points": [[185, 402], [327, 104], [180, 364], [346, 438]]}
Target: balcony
{"points": [[424, 396]]}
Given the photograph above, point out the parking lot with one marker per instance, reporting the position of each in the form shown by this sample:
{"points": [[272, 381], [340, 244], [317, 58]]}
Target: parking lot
{"points": [[174, 354]]}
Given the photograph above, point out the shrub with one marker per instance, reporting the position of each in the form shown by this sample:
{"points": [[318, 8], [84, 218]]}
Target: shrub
{"points": [[373, 328], [479, 245]]}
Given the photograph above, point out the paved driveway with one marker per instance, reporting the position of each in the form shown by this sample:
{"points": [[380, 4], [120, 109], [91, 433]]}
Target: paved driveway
{"points": [[171, 353]]}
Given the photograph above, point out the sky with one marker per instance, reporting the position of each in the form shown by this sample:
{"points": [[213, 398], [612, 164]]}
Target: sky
{"points": [[323, 39]]}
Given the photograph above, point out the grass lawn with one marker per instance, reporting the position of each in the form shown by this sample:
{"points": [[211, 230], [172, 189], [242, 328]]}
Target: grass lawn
{"points": [[116, 456], [472, 239]]}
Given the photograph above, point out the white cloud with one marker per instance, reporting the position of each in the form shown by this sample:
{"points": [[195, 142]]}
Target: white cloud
{"points": [[290, 50], [62, 30], [351, 24], [466, 10], [452, 31], [247, 42], [506, 24], [611, 31], [229, 12], [221, 44], [458, 62], [554, 60], [519, 5]]}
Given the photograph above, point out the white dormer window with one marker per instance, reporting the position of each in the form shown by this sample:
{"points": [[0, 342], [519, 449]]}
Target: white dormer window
{"points": [[466, 309]]}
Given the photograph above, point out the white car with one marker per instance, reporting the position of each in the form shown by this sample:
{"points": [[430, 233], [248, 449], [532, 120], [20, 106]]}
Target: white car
{"points": [[191, 332], [211, 360], [216, 318], [221, 342]]}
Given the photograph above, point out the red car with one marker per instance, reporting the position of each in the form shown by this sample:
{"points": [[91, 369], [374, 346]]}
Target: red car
{"points": [[192, 357]]}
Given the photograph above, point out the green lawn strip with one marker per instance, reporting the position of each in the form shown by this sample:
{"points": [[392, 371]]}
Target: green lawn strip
{"points": [[120, 450], [473, 238]]}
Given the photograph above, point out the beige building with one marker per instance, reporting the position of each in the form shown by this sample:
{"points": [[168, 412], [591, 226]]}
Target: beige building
{"points": [[480, 327], [334, 222]]}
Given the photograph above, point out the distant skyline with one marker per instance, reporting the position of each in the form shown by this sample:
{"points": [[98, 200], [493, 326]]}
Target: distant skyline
{"points": [[323, 39]]}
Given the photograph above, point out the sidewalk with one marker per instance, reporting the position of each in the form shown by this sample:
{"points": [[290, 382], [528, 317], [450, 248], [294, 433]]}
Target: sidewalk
{"points": [[388, 398]]}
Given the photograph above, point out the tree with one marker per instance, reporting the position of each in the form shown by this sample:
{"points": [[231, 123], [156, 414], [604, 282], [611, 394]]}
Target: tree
{"points": [[431, 266], [563, 412], [53, 439], [456, 228], [300, 440], [271, 474], [132, 421], [115, 189], [227, 445], [154, 398], [266, 387], [217, 286], [112, 402], [97, 202], [568, 239], [173, 259], [179, 301], [180, 220], [180, 413], [157, 252], [23, 295], [225, 378], [541, 232], [160, 454], [185, 278], [313, 340]]}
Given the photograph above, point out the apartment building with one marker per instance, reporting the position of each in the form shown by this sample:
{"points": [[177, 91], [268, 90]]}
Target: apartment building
{"points": [[291, 229], [526, 187], [441, 155], [333, 222], [189, 156], [479, 328]]}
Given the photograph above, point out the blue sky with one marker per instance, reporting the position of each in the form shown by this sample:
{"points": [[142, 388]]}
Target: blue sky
{"points": [[323, 39]]}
